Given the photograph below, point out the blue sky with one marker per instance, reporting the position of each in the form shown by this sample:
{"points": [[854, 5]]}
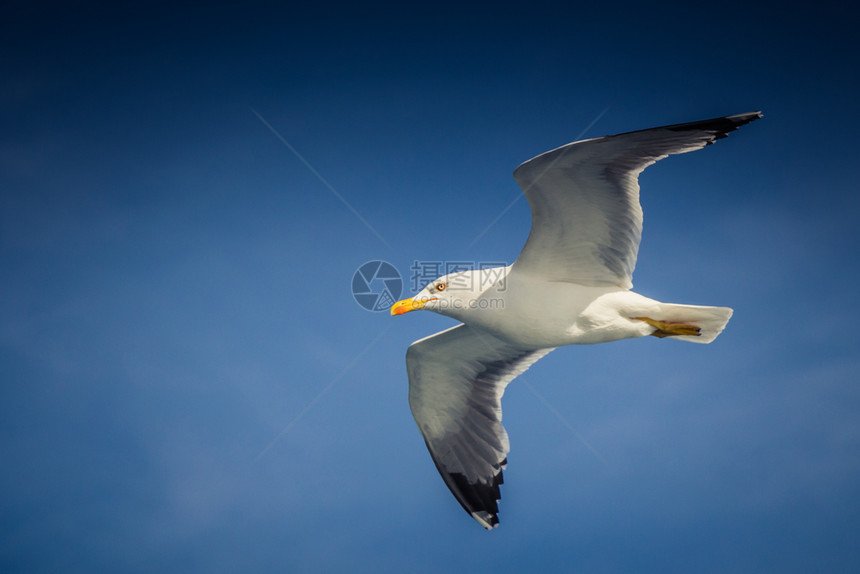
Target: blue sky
{"points": [[175, 287]]}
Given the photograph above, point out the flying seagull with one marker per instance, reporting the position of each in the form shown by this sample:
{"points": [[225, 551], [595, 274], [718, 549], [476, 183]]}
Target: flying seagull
{"points": [[569, 286]]}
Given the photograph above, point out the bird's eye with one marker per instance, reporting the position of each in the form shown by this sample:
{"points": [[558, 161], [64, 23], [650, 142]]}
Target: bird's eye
{"points": [[441, 286]]}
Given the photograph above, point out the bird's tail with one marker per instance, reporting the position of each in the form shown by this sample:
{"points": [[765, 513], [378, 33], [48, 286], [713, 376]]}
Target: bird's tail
{"points": [[711, 320]]}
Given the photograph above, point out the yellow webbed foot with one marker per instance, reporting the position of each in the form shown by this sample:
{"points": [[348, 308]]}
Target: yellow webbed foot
{"points": [[669, 329]]}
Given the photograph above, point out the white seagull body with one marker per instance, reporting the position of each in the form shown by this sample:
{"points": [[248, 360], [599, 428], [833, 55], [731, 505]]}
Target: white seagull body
{"points": [[570, 285]]}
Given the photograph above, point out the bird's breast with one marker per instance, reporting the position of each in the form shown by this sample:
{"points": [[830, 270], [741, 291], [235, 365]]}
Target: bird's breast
{"points": [[541, 314]]}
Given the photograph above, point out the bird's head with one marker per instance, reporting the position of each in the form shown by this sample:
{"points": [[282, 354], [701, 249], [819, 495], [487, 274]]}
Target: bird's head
{"points": [[455, 293]]}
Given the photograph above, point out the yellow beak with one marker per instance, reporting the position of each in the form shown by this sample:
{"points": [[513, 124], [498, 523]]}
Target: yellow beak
{"points": [[407, 305]]}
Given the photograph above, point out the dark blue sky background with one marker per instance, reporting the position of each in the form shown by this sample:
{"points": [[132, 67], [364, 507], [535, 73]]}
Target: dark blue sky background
{"points": [[175, 287]]}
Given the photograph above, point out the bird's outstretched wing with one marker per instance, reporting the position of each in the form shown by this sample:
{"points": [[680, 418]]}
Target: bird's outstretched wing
{"points": [[584, 197], [456, 381]]}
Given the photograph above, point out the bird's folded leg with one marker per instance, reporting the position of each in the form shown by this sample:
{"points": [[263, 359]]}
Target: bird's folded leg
{"points": [[670, 329]]}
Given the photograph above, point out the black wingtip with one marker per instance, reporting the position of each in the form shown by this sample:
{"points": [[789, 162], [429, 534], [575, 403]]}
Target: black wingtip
{"points": [[720, 126], [479, 500]]}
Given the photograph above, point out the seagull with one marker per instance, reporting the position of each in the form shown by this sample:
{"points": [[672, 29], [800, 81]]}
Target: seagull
{"points": [[570, 285]]}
